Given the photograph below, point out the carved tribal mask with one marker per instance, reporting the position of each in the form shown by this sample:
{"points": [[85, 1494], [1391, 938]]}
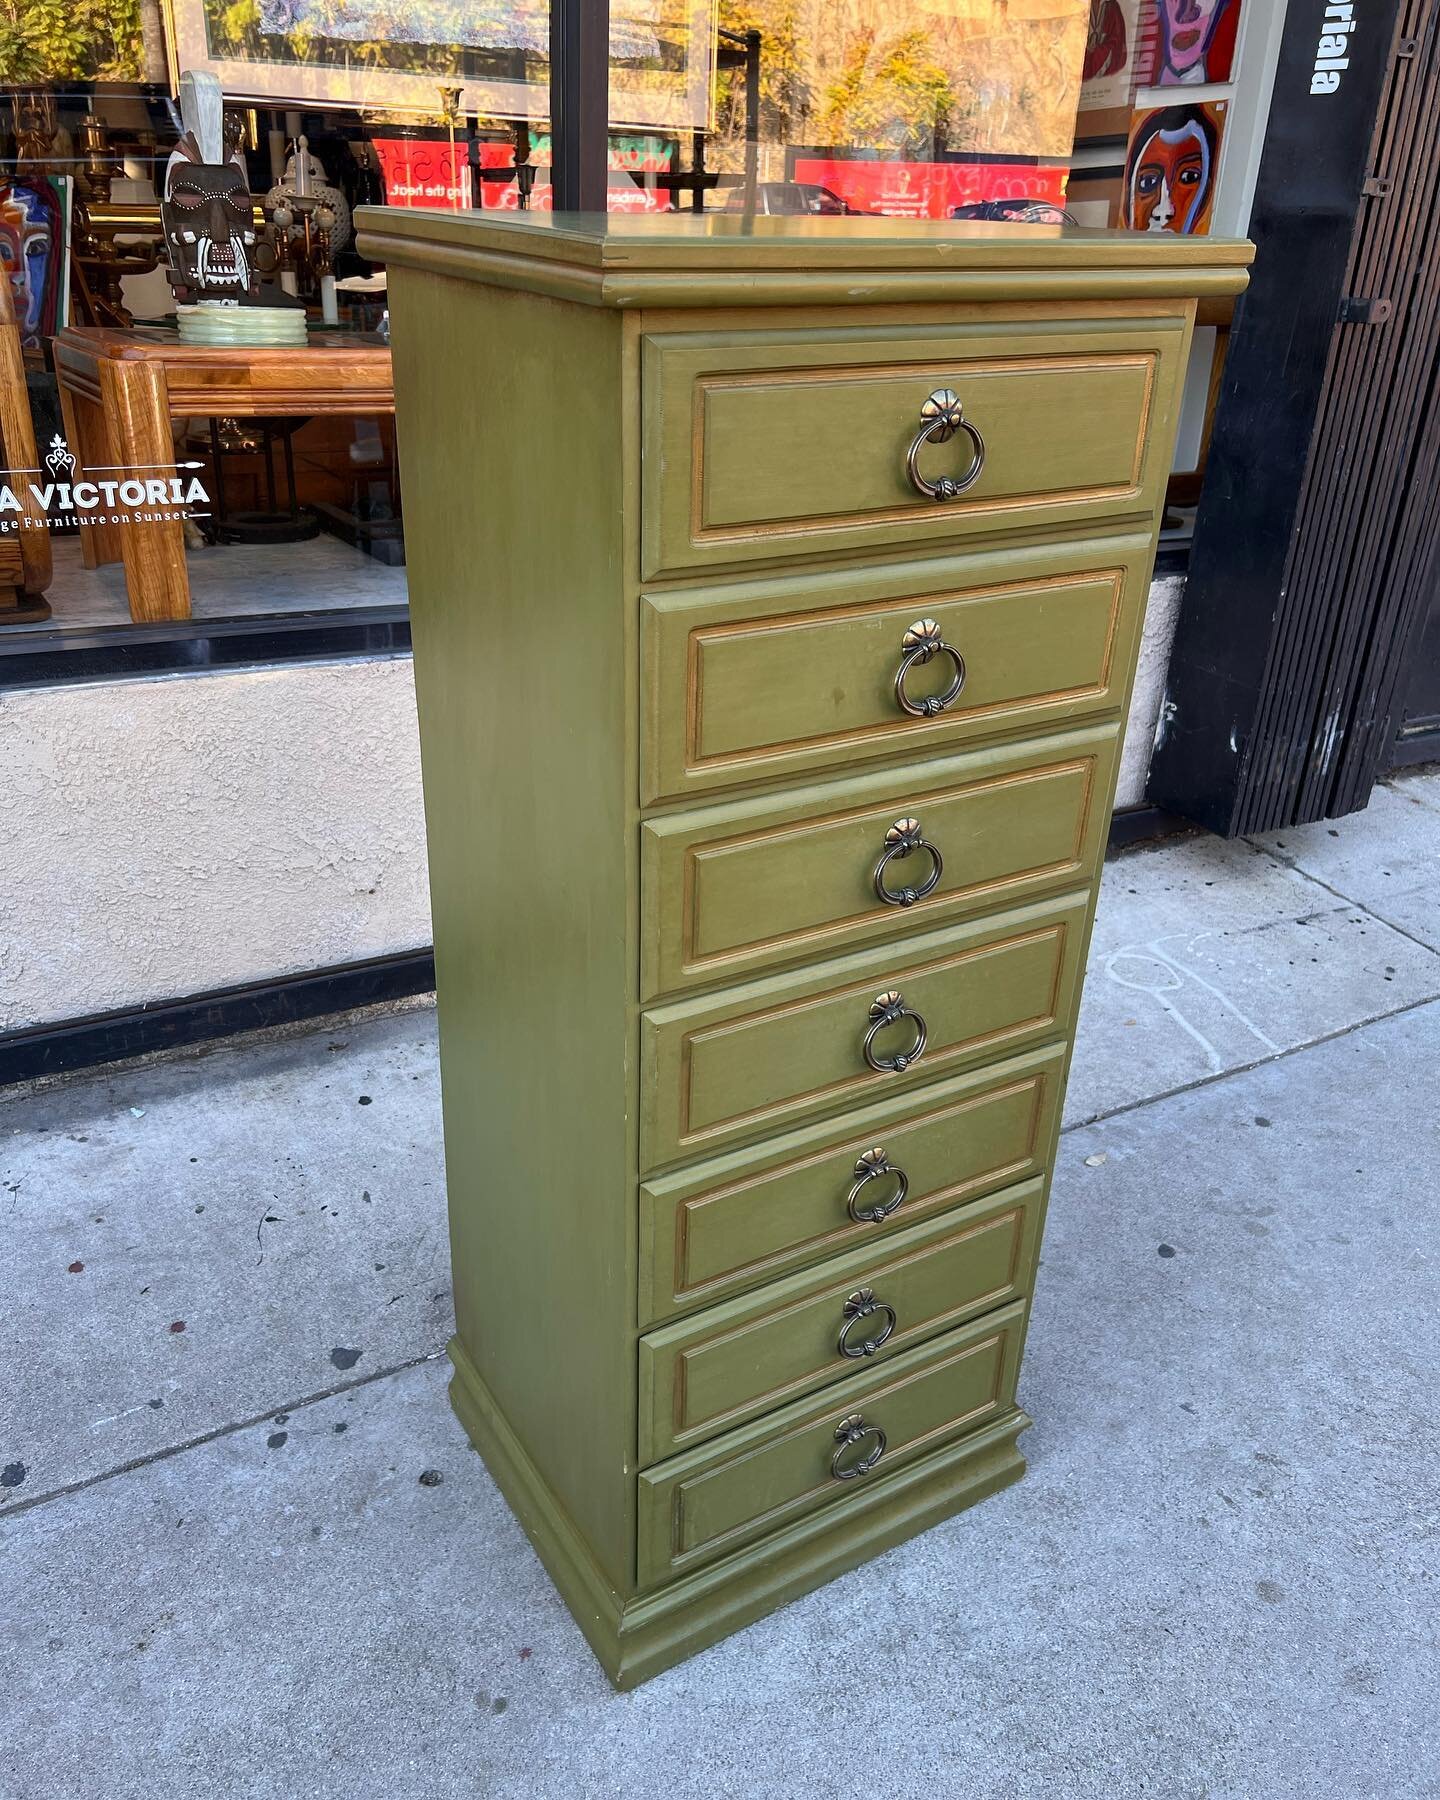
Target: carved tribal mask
{"points": [[209, 222]]}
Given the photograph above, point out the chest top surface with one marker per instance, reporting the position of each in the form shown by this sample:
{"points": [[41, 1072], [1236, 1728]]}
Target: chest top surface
{"points": [[625, 260]]}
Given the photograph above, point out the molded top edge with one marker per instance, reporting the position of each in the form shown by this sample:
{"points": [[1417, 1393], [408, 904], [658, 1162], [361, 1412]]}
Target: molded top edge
{"points": [[719, 260], [616, 243]]}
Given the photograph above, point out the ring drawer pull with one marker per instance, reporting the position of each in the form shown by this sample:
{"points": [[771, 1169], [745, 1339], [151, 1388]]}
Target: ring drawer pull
{"points": [[852, 1431], [862, 1304], [940, 418], [871, 1167], [922, 641], [903, 837], [889, 1009]]}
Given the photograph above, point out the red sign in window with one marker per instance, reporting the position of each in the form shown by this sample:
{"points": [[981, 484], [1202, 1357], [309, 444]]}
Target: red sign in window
{"points": [[424, 172], [928, 190]]}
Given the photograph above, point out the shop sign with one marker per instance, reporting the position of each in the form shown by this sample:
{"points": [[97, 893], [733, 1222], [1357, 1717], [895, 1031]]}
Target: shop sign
{"points": [[62, 493], [1332, 56]]}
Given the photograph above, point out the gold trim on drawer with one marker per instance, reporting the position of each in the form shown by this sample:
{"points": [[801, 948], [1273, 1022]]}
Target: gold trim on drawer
{"points": [[781, 1465], [730, 890], [771, 445], [750, 1217], [725, 1066], [951, 370], [901, 725], [793, 676], [867, 1077], [744, 1357]]}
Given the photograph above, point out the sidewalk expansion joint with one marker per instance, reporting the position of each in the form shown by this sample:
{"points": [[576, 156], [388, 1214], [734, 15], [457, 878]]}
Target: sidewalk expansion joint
{"points": [[1288, 862], [209, 1437], [1259, 1062]]}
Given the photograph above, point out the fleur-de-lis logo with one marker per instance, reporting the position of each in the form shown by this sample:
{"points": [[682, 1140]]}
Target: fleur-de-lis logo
{"points": [[58, 459]]}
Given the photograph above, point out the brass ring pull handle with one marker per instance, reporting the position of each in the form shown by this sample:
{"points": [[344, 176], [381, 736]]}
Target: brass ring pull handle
{"points": [[921, 642], [853, 1431], [940, 418], [903, 837], [862, 1304], [887, 1009], [871, 1167]]}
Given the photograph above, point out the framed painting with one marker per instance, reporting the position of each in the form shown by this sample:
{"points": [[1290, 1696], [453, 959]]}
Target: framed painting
{"points": [[1170, 168], [1108, 76], [1093, 194], [395, 55], [1186, 43]]}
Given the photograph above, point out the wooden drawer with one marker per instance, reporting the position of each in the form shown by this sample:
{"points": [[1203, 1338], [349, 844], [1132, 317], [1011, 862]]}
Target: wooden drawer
{"points": [[765, 444], [769, 679], [734, 889], [758, 1479], [733, 1065], [739, 1220], [747, 1356]]}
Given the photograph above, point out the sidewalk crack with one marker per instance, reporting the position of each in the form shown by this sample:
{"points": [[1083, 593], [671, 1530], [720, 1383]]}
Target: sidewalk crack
{"points": [[16, 1507]]}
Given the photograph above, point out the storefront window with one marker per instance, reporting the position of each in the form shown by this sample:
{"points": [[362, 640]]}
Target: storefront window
{"points": [[196, 426], [205, 432], [937, 109]]}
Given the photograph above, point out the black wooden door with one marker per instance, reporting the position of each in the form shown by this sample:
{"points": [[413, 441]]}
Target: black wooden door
{"points": [[1301, 635], [1417, 736]]}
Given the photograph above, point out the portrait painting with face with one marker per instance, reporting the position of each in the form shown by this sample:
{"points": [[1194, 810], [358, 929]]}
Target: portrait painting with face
{"points": [[1185, 43], [1170, 168], [32, 254]]}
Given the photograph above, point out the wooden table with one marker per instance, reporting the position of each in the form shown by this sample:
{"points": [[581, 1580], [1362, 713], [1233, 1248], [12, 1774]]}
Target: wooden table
{"points": [[121, 390]]}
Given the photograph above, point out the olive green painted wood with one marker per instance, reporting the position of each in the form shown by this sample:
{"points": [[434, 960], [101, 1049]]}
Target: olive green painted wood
{"points": [[731, 890], [743, 683], [750, 1482], [765, 1056], [750, 1355], [723, 1226], [634, 1639], [527, 622], [713, 260], [531, 844], [760, 444]]}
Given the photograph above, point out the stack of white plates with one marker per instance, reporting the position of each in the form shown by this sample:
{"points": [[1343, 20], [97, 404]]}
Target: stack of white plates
{"points": [[233, 327]]}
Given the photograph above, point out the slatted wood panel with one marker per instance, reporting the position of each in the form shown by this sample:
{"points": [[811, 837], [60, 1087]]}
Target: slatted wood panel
{"points": [[1361, 564]]}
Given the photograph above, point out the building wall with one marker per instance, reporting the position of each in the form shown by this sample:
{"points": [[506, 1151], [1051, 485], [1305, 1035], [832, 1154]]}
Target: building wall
{"points": [[1161, 613], [180, 833]]}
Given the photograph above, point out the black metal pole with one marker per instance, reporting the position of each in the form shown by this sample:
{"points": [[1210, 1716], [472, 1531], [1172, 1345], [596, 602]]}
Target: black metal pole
{"points": [[580, 103], [752, 108]]}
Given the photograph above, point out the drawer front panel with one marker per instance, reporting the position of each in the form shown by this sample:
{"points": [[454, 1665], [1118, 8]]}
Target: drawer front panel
{"points": [[745, 684], [730, 1225], [733, 1065], [735, 889], [755, 1480], [768, 444], [748, 1356]]}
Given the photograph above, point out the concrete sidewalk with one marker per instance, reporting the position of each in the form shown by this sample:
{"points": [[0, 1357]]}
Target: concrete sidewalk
{"points": [[225, 1577]]}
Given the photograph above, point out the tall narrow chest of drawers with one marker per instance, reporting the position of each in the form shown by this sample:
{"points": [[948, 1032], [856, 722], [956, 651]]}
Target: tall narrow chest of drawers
{"points": [[776, 591]]}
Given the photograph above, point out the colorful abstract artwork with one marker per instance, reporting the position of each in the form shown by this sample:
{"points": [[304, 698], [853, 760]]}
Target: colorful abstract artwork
{"points": [[33, 214], [1107, 78], [1186, 43], [1170, 168]]}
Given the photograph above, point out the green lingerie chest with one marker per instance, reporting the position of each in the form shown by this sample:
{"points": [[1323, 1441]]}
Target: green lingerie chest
{"points": [[776, 591]]}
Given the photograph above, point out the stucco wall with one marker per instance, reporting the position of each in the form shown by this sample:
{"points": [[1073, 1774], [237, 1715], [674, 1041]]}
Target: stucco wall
{"points": [[1161, 614], [175, 834]]}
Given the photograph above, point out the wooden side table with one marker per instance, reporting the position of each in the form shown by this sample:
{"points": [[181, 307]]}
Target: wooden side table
{"points": [[121, 390]]}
